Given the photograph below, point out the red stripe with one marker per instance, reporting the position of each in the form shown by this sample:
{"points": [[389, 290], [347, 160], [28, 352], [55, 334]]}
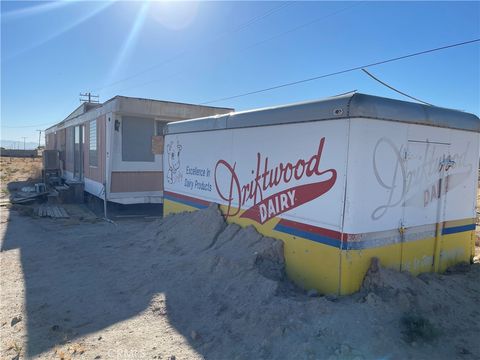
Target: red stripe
{"points": [[293, 224], [189, 198], [312, 229]]}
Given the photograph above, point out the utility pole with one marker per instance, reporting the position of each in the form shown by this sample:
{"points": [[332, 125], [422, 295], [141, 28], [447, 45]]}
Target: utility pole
{"points": [[24, 137], [39, 136], [89, 98]]}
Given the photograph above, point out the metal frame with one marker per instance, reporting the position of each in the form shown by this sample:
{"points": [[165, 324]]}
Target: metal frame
{"points": [[355, 105]]}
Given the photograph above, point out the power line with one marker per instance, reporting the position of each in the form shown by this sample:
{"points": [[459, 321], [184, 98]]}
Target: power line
{"points": [[182, 53], [301, 26], [25, 126], [89, 98], [392, 88], [39, 136], [255, 19], [341, 71], [296, 28]]}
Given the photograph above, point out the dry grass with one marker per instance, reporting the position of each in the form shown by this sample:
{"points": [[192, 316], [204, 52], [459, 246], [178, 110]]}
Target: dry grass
{"points": [[17, 349], [18, 169], [68, 352]]}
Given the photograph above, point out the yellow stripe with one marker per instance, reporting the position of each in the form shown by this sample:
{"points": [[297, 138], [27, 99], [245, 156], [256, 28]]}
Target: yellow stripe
{"points": [[331, 270]]}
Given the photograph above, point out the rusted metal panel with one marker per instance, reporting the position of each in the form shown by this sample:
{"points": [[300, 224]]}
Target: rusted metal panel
{"points": [[133, 181]]}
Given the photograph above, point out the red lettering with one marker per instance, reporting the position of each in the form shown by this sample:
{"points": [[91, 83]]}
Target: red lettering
{"points": [[265, 179], [234, 184]]}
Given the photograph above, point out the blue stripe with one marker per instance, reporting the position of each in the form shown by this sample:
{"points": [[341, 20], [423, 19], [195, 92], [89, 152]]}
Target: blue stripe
{"points": [[308, 235], [351, 245], [358, 245], [186, 202], [457, 229]]}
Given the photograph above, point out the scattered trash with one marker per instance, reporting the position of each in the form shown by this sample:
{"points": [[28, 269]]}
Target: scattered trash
{"points": [[28, 189], [40, 187], [25, 197], [15, 320]]}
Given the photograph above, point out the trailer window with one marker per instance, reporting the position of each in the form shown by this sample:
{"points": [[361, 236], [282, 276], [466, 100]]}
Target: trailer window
{"points": [[93, 144], [137, 139]]}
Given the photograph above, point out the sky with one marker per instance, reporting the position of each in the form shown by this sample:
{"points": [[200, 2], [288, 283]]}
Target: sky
{"points": [[198, 52]]}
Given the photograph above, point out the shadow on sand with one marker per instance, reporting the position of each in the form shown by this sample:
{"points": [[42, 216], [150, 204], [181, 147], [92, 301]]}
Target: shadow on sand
{"points": [[222, 288], [82, 277]]}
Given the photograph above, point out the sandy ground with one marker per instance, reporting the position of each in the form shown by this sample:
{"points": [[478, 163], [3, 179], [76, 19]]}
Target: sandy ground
{"points": [[191, 287], [18, 169]]}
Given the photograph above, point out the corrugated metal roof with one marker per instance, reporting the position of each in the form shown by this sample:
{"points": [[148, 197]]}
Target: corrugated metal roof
{"points": [[355, 105]]}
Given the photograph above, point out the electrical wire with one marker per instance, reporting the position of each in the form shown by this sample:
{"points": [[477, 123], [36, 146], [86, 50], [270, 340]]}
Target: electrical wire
{"points": [[341, 71], [308, 23], [392, 88], [239, 28], [322, 76], [296, 28], [24, 126]]}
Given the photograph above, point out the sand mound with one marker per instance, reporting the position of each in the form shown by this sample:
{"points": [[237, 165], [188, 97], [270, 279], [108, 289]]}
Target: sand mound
{"points": [[222, 251], [238, 303], [190, 286]]}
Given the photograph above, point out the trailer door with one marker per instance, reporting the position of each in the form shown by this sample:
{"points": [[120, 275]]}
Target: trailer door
{"points": [[78, 152], [424, 206]]}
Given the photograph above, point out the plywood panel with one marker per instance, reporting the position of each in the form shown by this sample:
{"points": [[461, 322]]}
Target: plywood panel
{"points": [[157, 145]]}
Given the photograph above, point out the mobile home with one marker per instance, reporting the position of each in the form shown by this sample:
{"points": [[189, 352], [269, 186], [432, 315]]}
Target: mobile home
{"points": [[115, 148], [340, 181]]}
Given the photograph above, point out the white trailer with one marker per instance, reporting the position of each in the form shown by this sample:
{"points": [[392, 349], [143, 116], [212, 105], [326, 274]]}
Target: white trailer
{"points": [[340, 181], [115, 148]]}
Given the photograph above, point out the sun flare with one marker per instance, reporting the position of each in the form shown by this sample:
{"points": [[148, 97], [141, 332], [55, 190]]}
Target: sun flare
{"points": [[174, 15]]}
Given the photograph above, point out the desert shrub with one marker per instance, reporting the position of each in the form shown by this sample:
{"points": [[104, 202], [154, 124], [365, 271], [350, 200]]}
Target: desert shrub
{"points": [[418, 328]]}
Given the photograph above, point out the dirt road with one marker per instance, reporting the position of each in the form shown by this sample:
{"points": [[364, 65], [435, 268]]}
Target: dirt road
{"points": [[158, 290]]}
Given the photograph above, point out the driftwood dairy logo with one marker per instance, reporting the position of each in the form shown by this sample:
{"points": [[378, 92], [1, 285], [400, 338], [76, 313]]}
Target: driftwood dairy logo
{"points": [[419, 178], [174, 175], [266, 178]]}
